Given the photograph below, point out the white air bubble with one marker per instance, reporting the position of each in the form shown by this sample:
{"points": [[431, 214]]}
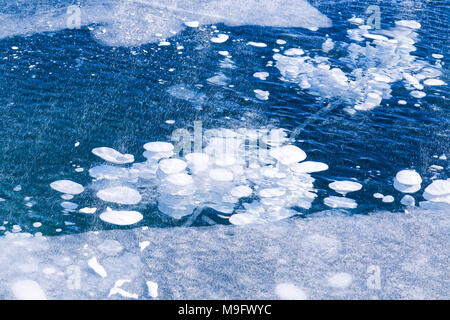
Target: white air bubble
{"points": [[121, 218], [344, 187], [121, 195], [221, 38], [308, 167], [113, 156], [288, 154], [67, 187]]}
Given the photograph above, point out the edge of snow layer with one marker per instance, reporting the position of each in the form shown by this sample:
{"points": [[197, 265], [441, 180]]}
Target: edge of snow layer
{"points": [[383, 255], [135, 22]]}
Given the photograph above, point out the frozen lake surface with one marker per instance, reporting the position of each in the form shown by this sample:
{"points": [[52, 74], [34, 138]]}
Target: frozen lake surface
{"points": [[318, 162]]}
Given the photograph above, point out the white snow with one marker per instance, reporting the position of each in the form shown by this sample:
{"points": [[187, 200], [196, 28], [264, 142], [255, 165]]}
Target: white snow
{"points": [[152, 288], [28, 290], [289, 291], [280, 259], [118, 290], [288, 155], [133, 23], [308, 167], [388, 199], [97, 267], [340, 280]]}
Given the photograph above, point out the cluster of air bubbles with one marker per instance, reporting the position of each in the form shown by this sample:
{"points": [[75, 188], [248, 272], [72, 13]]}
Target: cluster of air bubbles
{"points": [[377, 59], [244, 175]]}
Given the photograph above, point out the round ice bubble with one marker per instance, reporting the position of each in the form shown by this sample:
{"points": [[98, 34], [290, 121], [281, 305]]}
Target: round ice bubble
{"points": [[404, 188], [408, 177], [344, 187], [121, 218], [288, 154], [121, 195], [67, 187], [289, 291], [113, 156], [172, 166], [221, 38]]}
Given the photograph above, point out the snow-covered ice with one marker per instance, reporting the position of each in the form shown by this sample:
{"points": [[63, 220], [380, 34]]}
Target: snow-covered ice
{"points": [[312, 258]]}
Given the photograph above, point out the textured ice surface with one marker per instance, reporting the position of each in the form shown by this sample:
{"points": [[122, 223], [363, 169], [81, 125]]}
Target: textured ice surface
{"points": [[316, 257], [344, 187], [131, 23]]}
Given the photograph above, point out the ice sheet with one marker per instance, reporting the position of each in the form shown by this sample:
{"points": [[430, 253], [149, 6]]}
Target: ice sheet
{"points": [[135, 22], [383, 255]]}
